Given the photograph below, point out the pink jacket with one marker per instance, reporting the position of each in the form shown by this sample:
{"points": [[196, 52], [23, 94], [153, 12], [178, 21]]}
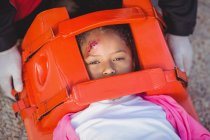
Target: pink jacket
{"points": [[187, 128]]}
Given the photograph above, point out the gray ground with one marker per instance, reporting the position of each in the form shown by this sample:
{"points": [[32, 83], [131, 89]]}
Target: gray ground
{"points": [[199, 87], [11, 128]]}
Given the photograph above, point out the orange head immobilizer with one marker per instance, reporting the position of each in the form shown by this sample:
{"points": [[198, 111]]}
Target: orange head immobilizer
{"points": [[55, 77]]}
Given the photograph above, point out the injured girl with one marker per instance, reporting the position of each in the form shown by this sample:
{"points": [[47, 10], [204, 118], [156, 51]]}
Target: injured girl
{"points": [[109, 51]]}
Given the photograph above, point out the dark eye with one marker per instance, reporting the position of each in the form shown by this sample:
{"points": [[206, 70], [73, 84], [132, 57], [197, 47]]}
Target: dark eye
{"points": [[119, 59], [93, 63]]}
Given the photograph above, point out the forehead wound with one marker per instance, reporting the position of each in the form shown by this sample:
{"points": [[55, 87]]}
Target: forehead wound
{"points": [[91, 45]]}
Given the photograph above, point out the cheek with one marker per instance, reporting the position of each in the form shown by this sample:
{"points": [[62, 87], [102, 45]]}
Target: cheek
{"points": [[94, 71], [124, 67]]}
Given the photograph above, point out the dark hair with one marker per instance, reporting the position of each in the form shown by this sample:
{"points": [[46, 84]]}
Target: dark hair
{"points": [[123, 30]]}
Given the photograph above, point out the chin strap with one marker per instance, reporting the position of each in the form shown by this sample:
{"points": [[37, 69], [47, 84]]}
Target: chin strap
{"points": [[85, 93]]}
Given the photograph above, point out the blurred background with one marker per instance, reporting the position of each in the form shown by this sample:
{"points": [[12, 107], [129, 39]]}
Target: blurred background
{"points": [[12, 128]]}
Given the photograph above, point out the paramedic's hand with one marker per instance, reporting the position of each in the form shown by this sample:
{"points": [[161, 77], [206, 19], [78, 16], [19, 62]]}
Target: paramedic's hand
{"points": [[10, 71], [181, 50]]}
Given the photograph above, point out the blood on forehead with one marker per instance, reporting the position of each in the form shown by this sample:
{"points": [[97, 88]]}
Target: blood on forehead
{"points": [[91, 45]]}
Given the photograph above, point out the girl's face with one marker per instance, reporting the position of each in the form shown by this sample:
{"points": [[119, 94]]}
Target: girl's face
{"points": [[106, 54]]}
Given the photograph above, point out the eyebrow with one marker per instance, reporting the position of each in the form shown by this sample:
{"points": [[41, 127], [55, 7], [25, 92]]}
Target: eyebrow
{"points": [[92, 55], [119, 51]]}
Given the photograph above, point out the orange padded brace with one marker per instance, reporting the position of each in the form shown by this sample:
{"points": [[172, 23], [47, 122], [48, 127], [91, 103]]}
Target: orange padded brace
{"points": [[136, 82], [101, 18]]}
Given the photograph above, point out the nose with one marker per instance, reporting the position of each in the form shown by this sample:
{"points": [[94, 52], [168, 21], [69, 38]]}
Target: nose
{"points": [[108, 70]]}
